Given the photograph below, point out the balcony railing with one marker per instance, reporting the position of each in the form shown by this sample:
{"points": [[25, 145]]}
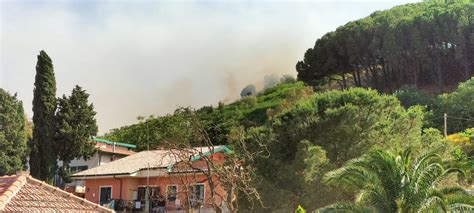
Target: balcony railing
{"points": [[139, 206]]}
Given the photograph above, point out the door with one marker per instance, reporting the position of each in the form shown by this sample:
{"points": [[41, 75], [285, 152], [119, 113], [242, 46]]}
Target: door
{"points": [[105, 194]]}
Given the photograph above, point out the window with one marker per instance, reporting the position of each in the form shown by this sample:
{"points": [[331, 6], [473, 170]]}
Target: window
{"points": [[75, 169], [172, 192], [196, 195], [154, 192], [82, 168], [105, 194]]}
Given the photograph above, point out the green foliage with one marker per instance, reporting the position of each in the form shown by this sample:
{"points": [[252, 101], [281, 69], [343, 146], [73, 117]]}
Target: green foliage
{"points": [[307, 134], [42, 157], [152, 133], [300, 209], [459, 105], [321, 133], [465, 140], [426, 45], [410, 96], [75, 126], [218, 121], [13, 134], [312, 160], [388, 182]]}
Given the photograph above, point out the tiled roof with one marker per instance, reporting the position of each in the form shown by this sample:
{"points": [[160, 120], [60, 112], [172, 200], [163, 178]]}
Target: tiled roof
{"points": [[143, 160], [23, 193]]}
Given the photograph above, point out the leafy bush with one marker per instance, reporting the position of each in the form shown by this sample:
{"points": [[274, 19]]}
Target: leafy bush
{"points": [[459, 105], [410, 96]]}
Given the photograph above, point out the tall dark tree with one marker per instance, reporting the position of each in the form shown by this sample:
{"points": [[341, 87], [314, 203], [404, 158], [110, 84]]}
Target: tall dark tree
{"points": [[13, 135], [76, 126], [427, 45], [43, 157]]}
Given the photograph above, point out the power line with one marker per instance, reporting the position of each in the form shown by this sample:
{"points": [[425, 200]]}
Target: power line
{"points": [[466, 119], [434, 118]]}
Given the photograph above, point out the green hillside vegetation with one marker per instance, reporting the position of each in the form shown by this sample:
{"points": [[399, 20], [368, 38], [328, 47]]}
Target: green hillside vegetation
{"points": [[393, 68], [458, 105], [375, 145], [249, 111], [427, 45], [309, 134]]}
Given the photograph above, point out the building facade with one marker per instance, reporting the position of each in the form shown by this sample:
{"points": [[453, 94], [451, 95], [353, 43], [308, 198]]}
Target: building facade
{"points": [[107, 151], [179, 180]]}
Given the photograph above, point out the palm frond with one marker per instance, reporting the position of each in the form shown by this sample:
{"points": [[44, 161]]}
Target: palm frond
{"points": [[375, 197], [459, 199], [427, 177], [423, 161], [452, 190], [445, 173], [461, 208], [389, 183], [350, 176], [434, 201], [344, 207]]}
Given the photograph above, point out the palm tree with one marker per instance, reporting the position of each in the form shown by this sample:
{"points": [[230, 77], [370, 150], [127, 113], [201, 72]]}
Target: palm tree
{"points": [[394, 183]]}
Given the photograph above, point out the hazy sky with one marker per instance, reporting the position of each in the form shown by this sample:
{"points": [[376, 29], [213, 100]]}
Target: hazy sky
{"points": [[147, 57]]}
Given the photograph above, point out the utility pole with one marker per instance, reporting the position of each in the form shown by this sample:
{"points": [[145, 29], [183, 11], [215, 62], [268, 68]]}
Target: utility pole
{"points": [[445, 125], [147, 190]]}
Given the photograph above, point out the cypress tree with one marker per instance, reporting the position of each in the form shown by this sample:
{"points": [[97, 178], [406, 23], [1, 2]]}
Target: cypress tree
{"points": [[43, 155], [13, 135]]}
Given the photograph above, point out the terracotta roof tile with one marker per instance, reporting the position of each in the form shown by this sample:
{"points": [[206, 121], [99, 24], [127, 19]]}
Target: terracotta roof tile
{"points": [[22, 193]]}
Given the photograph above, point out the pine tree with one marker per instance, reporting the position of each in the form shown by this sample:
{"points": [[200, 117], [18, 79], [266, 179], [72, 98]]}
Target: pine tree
{"points": [[13, 135], [76, 125], [43, 156]]}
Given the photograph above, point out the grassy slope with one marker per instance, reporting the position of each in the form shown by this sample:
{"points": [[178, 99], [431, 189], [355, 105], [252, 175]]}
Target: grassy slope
{"points": [[248, 111], [253, 110]]}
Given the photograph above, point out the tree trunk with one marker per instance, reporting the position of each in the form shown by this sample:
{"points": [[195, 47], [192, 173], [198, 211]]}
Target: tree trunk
{"points": [[344, 82]]}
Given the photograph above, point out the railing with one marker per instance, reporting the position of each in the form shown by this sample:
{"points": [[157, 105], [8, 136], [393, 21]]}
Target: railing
{"points": [[139, 206]]}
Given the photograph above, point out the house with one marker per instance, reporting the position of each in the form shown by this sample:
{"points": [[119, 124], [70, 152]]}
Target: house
{"points": [[23, 193], [178, 175], [107, 151]]}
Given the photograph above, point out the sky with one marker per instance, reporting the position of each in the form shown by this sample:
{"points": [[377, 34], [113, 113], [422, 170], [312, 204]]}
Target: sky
{"points": [[142, 58]]}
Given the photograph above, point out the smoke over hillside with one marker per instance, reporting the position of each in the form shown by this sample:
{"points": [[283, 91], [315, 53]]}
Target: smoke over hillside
{"points": [[149, 57]]}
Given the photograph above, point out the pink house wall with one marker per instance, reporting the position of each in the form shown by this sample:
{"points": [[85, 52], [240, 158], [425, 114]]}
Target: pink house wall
{"points": [[130, 185], [93, 188], [126, 187]]}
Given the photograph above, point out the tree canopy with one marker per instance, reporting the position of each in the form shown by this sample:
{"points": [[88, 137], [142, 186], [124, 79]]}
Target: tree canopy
{"points": [[75, 126], [322, 132], [43, 158], [13, 134], [428, 44]]}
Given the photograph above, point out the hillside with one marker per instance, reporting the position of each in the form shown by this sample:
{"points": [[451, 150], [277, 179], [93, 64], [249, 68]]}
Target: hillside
{"points": [[306, 134], [427, 45], [217, 121]]}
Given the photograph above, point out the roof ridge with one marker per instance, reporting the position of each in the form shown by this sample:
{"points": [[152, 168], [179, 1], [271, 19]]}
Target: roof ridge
{"points": [[104, 140], [11, 191], [59, 191]]}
